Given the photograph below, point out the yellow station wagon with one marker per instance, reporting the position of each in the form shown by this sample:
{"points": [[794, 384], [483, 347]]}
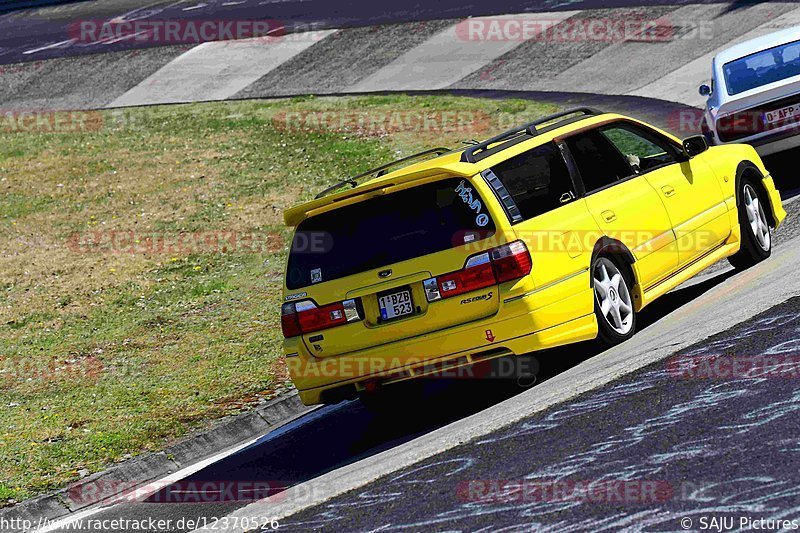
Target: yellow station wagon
{"points": [[555, 232]]}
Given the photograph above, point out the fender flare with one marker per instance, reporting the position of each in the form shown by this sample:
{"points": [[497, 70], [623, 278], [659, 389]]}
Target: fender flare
{"points": [[608, 246], [748, 167]]}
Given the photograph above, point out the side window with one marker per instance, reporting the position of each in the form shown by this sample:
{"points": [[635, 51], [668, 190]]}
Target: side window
{"points": [[599, 163], [538, 180], [643, 150]]}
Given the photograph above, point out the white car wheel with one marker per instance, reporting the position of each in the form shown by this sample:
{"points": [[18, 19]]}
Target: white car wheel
{"points": [[757, 218], [613, 297]]}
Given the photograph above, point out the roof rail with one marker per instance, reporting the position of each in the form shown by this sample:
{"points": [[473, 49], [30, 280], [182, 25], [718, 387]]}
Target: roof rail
{"points": [[381, 170], [479, 151]]}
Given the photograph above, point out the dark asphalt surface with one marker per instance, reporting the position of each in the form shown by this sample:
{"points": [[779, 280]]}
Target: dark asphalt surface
{"points": [[668, 445], [44, 33]]}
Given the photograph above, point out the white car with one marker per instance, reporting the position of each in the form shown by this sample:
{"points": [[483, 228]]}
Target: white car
{"points": [[754, 96]]}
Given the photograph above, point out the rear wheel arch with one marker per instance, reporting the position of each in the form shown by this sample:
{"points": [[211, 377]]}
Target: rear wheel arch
{"points": [[614, 249], [748, 169]]}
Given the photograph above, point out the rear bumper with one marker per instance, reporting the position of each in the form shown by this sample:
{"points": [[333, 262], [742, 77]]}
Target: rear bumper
{"points": [[768, 143], [774, 144], [319, 380]]}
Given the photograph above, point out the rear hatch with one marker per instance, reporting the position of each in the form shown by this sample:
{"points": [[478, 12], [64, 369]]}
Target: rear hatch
{"points": [[391, 267], [762, 96]]}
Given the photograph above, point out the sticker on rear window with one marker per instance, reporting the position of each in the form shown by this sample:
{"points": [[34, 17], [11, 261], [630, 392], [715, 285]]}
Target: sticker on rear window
{"points": [[465, 192], [316, 275]]}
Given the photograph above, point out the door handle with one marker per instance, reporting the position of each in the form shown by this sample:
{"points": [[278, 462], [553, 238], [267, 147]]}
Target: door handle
{"points": [[668, 191], [609, 216]]}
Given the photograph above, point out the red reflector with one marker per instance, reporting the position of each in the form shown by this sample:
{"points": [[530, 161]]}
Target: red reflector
{"points": [[469, 279], [321, 318]]}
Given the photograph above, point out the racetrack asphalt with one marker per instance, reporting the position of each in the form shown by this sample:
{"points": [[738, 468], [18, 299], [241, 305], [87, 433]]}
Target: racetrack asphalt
{"points": [[431, 54], [47, 30]]}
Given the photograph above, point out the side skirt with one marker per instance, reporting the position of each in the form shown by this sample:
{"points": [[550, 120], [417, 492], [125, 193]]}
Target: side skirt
{"points": [[685, 273]]}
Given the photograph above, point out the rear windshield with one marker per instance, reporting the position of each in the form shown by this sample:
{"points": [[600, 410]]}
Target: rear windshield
{"points": [[762, 68], [386, 230]]}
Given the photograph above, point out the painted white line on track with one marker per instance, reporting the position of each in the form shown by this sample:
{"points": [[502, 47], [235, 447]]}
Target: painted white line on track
{"points": [[50, 46], [216, 70], [143, 492], [451, 55]]}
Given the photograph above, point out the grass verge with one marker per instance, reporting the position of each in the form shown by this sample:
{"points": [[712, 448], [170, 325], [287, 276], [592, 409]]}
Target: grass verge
{"points": [[142, 263]]}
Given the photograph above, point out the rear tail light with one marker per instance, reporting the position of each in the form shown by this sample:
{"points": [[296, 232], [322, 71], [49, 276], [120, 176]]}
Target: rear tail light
{"points": [[476, 274], [739, 125], [305, 317], [498, 265], [511, 261], [289, 323]]}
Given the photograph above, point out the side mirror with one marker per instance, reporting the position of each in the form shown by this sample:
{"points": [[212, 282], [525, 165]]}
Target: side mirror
{"points": [[695, 145], [705, 90]]}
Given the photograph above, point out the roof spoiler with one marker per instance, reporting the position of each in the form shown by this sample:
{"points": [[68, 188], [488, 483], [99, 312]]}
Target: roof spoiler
{"points": [[381, 170], [481, 150]]}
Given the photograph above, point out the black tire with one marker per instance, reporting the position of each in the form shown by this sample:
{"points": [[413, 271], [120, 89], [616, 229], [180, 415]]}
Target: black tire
{"points": [[753, 218], [610, 330]]}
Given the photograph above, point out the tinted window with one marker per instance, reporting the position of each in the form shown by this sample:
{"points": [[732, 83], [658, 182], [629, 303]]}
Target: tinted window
{"points": [[761, 68], [642, 149], [599, 163], [386, 230], [537, 180]]}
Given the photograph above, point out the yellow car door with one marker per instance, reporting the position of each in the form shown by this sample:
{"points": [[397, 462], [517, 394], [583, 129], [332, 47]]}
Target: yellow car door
{"points": [[624, 205], [689, 189]]}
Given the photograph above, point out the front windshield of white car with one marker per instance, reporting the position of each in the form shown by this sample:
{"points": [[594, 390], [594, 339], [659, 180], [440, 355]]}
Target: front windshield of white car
{"points": [[762, 68]]}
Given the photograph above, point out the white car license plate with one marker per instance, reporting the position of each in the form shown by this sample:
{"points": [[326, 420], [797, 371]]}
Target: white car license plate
{"points": [[770, 117], [395, 305]]}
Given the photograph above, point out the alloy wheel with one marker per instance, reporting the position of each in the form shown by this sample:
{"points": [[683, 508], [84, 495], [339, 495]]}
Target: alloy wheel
{"points": [[757, 218], [613, 296]]}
